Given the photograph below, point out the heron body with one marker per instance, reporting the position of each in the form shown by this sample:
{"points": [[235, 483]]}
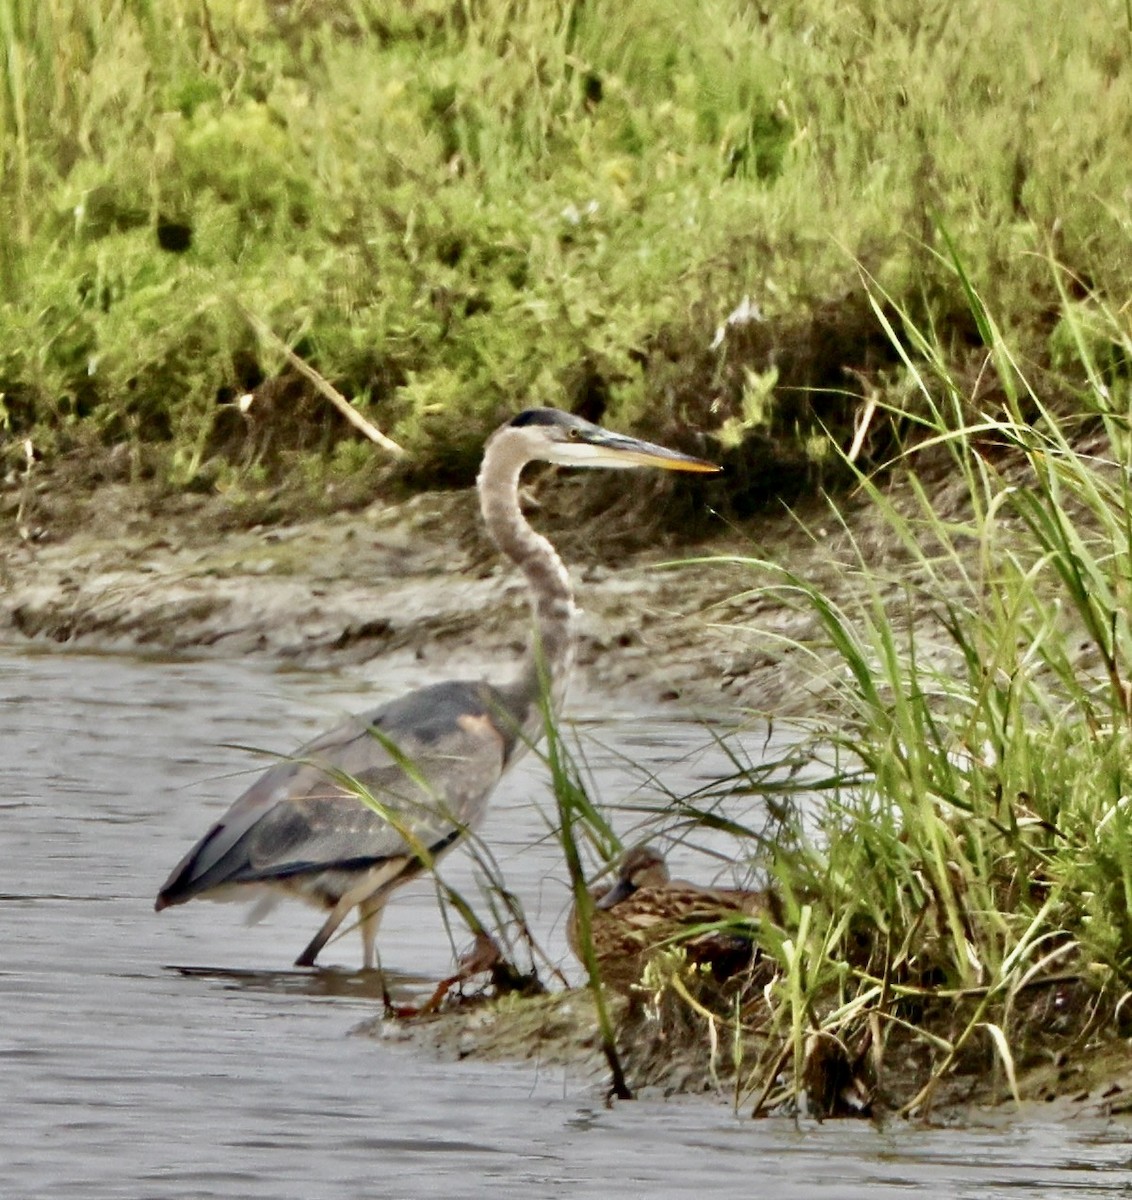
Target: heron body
{"points": [[645, 909], [362, 809], [302, 828]]}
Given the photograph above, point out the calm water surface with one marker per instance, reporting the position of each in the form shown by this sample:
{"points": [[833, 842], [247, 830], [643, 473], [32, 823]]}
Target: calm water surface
{"points": [[122, 1076]]}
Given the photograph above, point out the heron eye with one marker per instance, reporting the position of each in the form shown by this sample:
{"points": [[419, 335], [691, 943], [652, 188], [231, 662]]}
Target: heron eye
{"points": [[574, 433]]}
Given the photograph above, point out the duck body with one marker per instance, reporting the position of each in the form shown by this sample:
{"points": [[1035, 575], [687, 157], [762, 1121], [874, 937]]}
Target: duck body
{"points": [[644, 909]]}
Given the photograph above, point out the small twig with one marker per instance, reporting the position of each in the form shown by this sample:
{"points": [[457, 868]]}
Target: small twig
{"points": [[922, 1099], [25, 491], [772, 1076], [928, 993], [861, 423], [327, 389]]}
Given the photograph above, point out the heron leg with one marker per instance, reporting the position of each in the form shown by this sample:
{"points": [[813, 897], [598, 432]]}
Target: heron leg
{"points": [[370, 889], [370, 912], [337, 914]]}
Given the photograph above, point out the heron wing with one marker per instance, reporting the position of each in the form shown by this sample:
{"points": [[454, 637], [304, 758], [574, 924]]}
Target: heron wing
{"points": [[426, 763]]}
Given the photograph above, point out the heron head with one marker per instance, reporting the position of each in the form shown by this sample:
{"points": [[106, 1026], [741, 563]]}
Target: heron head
{"points": [[642, 867], [554, 436]]}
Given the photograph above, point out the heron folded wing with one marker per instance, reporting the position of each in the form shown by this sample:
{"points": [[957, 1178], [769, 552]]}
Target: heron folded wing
{"points": [[405, 780]]}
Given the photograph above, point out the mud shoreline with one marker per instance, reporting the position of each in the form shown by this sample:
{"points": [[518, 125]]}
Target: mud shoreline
{"points": [[415, 582]]}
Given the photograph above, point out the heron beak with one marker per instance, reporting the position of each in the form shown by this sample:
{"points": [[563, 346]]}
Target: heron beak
{"points": [[605, 449]]}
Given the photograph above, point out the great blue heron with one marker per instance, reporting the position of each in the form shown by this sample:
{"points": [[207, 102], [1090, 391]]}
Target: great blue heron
{"points": [[644, 908], [429, 760]]}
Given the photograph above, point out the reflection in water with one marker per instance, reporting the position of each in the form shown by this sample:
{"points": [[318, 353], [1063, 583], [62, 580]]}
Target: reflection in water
{"points": [[353, 985], [129, 1069]]}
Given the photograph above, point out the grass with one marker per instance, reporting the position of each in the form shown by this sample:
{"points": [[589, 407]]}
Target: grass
{"points": [[574, 812], [964, 900], [453, 210]]}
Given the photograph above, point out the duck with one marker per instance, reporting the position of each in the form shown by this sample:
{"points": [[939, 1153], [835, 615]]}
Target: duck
{"points": [[645, 908]]}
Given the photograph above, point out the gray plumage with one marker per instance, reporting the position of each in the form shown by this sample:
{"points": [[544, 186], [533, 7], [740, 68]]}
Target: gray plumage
{"points": [[428, 761]]}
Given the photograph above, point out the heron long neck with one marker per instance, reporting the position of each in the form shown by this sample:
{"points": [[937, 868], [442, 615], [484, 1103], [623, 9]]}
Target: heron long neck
{"points": [[551, 651]]}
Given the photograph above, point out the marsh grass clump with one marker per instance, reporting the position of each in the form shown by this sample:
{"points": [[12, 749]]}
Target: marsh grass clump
{"points": [[963, 903], [651, 209]]}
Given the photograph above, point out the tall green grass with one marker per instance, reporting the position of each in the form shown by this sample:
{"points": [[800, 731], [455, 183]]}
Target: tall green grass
{"points": [[966, 896]]}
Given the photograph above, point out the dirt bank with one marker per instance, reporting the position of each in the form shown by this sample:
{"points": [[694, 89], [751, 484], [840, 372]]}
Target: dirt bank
{"points": [[665, 1053], [416, 581]]}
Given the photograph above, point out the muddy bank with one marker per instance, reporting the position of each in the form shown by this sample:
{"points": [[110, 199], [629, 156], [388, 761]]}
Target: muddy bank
{"points": [[557, 1030], [560, 1030], [414, 582]]}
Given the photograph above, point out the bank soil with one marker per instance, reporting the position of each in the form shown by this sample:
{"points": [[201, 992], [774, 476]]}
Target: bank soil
{"points": [[417, 581], [666, 1049]]}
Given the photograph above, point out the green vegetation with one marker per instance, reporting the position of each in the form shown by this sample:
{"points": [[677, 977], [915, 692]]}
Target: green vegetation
{"points": [[956, 882], [450, 210]]}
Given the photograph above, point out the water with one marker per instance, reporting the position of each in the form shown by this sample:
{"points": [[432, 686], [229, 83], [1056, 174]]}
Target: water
{"points": [[122, 1076]]}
